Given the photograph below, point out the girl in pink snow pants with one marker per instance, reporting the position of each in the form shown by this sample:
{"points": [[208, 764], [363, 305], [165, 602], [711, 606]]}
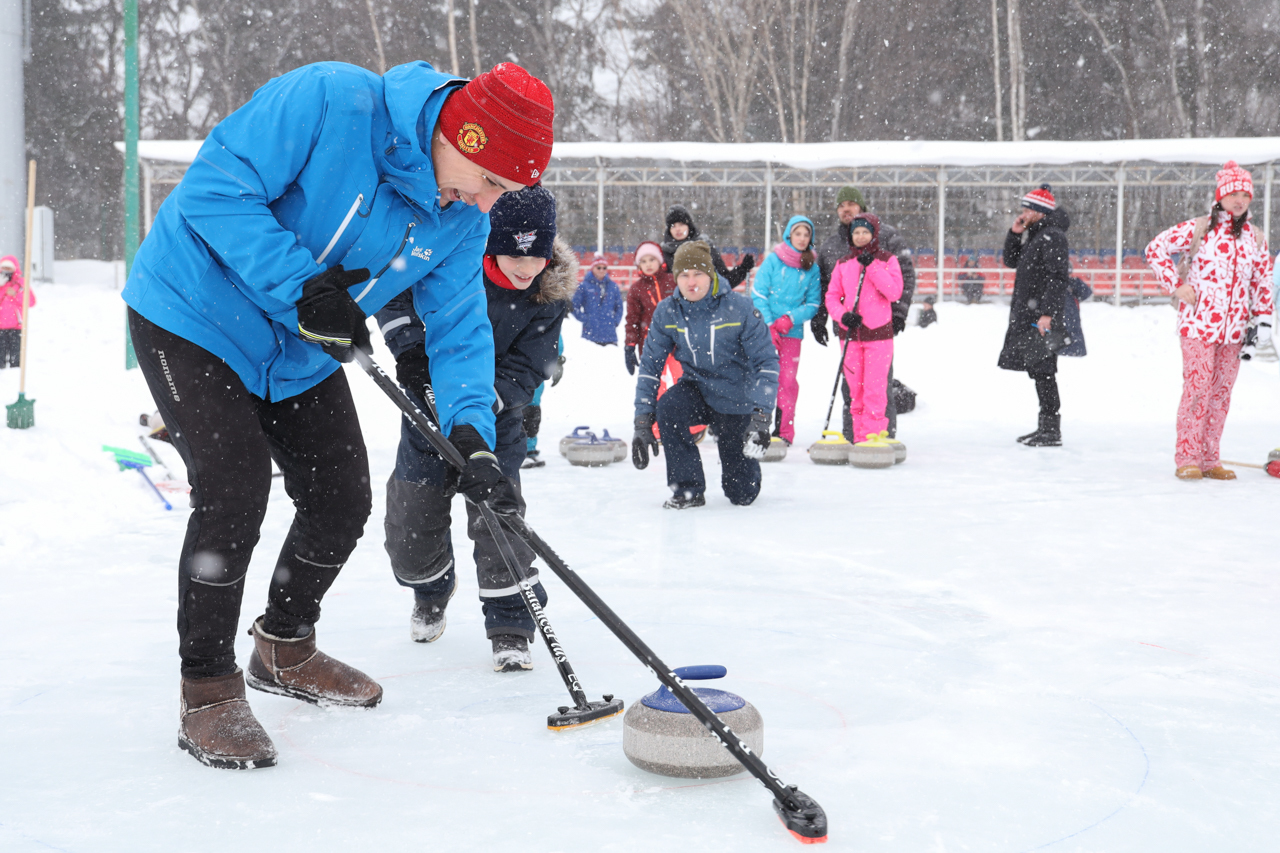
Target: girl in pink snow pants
{"points": [[1227, 288], [861, 296]]}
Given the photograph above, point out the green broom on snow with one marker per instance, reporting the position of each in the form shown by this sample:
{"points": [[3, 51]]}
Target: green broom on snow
{"points": [[22, 414]]}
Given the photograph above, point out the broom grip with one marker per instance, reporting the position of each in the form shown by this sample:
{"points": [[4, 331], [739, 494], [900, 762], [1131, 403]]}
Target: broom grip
{"points": [[26, 276]]}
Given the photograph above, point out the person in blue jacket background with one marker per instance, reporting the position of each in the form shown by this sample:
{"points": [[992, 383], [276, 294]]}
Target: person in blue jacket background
{"points": [[529, 280], [729, 382], [331, 191], [787, 291], [598, 304]]}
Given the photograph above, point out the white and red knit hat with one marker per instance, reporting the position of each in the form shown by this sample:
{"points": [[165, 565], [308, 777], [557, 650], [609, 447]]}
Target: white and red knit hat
{"points": [[1040, 199], [502, 120], [648, 249], [1233, 179]]}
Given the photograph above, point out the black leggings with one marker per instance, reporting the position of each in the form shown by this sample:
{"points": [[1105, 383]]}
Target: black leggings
{"points": [[1047, 392], [228, 437]]}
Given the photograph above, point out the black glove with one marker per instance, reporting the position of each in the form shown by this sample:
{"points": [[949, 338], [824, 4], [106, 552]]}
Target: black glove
{"points": [[629, 353], [818, 325], [851, 321], [644, 441], [899, 324], [757, 437], [413, 371], [748, 261], [328, 316], [482, 476], [558, 373]]}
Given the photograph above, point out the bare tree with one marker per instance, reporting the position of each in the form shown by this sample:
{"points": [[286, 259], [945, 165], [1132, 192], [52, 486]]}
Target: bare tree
{"points": [[475, 42], [847, 28], [723, 41], [1017, 72], [1113, 53], [377, 38], [790, 79], [1183, 121]]}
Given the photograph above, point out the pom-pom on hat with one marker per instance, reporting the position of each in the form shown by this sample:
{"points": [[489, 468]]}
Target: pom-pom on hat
{"points": [[502, 121], [648, 249], [523, 224], [1233, 179], [1041, 200]]}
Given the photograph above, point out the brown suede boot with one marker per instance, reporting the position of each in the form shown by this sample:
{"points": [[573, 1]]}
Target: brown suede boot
{"points": [[1189, 472], [296, 669], [1217, 472], [218, 727]]}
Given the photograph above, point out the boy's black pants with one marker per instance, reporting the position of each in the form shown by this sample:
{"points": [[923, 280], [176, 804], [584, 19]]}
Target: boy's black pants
{"points": [[227, 437], [683, 406]]}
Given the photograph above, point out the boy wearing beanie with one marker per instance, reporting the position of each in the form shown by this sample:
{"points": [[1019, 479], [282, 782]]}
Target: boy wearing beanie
{"points": [[729, 382], [330, 192], [529, 278]]}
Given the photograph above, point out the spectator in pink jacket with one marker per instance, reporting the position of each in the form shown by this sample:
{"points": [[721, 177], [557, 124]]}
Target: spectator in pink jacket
{"points": [[860, 297], [11, 288], [1225, 298]]}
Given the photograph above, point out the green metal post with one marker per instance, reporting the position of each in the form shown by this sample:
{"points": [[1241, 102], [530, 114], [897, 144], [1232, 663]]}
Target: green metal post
{"points": [[130, 155]]}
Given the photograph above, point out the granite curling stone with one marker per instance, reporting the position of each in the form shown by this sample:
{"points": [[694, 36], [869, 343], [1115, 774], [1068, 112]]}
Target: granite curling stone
{"points": [[661, 736], [776, 451], [875, 452], [831, 449], [591, 452], [578, 434], [621, 450]]}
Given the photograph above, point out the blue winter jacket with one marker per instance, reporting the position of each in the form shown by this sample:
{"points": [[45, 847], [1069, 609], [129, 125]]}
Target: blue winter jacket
{"points": [[328, 164], [598, 306], [779, 289], [721, 343]]}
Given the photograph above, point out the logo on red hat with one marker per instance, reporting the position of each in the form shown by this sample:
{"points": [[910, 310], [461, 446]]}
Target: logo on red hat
{"points": [[471, 138]]}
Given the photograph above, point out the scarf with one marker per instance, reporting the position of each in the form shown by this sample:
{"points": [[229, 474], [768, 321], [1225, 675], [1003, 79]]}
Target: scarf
{"points": [[495, 274], [787, 255]]}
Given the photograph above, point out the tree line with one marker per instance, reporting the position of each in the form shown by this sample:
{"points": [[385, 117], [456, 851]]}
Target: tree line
{"points": [[714, 70]]}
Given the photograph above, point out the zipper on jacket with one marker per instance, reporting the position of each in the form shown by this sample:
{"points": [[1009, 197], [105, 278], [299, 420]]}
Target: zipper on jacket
{"points": [[343, 227], [403, 242]]}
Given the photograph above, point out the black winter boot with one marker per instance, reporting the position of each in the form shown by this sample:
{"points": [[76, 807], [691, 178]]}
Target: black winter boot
{"points": [[1049, 434]]}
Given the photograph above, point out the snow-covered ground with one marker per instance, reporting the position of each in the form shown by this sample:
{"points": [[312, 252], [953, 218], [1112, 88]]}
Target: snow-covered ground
{"points": [[989, 648]]}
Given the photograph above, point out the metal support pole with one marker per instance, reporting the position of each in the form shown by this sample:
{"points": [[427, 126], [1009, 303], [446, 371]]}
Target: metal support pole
{"points": [[13, 153], [768, 207], [942, 228], [146, 198], [130, 155], [599, 206], [1120, 232], [1266, 210]]}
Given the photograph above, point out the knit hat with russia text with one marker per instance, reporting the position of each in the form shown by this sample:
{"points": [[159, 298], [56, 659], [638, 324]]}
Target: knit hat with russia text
{"points": [[1040, 200], [1233, 179], [502, 121]]}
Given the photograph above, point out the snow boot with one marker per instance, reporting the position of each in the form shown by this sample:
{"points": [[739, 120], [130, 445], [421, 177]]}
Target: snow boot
{"points": [[533, 460], [1023, 439], [684, 501], [511, 653], [427, 622], [1217, 472], [295, 668], [1189, 472], [1049, 434], [217, 725]]}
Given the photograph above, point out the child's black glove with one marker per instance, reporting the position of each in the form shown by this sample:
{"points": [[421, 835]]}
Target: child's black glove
{"points": [[818, 325], [757, 435], [851, 321], [482, 476], [558, 373], [629, 353], [644, 441]]}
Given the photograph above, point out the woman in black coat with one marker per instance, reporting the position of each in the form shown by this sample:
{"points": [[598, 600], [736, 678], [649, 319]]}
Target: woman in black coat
{"points": [[1035, 312], [681, 230]]}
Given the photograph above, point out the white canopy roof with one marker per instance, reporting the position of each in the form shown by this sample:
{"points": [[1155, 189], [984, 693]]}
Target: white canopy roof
{"points": [[825, 155]]}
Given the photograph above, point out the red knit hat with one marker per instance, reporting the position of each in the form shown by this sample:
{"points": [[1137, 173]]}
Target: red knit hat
{"points": [[502, 120], [1233, 179], [1041, 200]]}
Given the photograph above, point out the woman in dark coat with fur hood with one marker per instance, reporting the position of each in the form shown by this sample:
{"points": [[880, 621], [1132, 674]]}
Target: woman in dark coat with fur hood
{"points": [[530, 276], [1035, 311], [681, 230]]}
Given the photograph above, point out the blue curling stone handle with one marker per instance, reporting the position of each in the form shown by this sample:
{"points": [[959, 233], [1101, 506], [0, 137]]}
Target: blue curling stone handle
{"points": [[719, 701]]}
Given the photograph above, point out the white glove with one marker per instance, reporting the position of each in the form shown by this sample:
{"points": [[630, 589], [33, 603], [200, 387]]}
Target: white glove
{"points": [[1263, 339]]}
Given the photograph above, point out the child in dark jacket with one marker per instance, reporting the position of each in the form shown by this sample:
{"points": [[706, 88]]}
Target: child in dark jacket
{"points": [[529, 280], [597, 304], [729, 381], [654, 285]]}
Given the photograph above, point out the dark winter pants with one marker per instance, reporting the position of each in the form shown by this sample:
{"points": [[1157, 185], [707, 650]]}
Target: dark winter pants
{"points": [[1047, 391], [890, 409], [419, 503], [227, 437], [683, 406], [10, 347]]}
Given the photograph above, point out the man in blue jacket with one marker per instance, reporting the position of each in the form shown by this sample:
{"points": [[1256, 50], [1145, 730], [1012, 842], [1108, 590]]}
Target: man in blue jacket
{"points": [[730, 382], [328, 193]]}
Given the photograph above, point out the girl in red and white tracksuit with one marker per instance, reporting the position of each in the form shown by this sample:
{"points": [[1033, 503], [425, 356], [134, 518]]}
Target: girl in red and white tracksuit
{"points": [[867, 311], [1228, 287]]}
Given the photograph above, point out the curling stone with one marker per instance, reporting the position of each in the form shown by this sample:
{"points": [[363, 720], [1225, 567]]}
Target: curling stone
{"points": [[831, 449], [590, 452], [620, 448], [776, 451], [1273, 463], [899, 449], [661, 736], [578, 434], [875, 452]]}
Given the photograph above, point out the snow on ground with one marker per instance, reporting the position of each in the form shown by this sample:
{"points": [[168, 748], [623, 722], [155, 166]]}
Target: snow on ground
{"points": [[989, 648]]}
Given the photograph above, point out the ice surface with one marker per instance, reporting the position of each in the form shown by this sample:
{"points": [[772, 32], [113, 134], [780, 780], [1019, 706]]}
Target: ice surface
{"points": [[987, 648]]}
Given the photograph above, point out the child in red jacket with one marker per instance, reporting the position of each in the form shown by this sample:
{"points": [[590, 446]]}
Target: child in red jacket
{"points": [[654, 285], [11, 288]]}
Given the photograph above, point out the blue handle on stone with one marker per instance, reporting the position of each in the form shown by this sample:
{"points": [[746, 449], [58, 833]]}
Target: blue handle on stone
{"points": [[702, 672]]}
